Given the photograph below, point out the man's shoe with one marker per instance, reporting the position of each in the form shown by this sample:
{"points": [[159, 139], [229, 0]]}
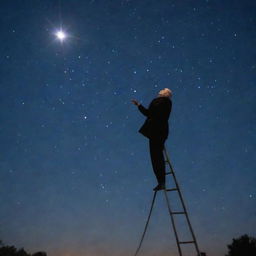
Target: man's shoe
{"points": [[159, 187]]}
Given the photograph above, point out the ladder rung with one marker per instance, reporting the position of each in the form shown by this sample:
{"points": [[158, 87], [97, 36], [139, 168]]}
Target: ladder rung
{"points": [[171, 189], [187, 242], [178, 212], [167, 173]]}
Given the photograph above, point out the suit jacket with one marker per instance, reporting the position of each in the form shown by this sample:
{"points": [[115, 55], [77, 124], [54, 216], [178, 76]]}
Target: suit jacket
{"points": [[156, 124]]}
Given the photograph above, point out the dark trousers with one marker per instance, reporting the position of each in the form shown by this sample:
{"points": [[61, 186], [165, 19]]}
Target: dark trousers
{"points": [[156, 147]]}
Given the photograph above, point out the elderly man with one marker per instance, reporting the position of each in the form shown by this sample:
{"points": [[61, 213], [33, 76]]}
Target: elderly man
{"points": [[156, 129]]}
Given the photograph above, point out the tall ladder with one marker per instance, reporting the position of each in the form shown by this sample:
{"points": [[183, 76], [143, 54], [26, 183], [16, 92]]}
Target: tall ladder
{"points": [[172, 213]]}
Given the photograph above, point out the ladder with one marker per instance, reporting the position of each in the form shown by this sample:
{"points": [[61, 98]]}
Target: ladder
{"points": [[173, 213]]}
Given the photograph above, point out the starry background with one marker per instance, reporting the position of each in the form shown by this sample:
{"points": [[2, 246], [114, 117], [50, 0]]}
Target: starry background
{"points": [[75, 174]]}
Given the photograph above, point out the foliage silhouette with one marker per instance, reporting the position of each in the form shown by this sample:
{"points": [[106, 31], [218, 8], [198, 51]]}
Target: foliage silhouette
{"points": [[242, 246], [39, 254], [6, 250]]}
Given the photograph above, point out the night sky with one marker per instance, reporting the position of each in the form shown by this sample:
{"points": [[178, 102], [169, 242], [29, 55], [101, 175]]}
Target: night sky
{"points": [[75, 174]]}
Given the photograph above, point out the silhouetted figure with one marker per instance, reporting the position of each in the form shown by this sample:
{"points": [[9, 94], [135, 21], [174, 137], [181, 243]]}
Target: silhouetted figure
{"points": [[156, 129]]}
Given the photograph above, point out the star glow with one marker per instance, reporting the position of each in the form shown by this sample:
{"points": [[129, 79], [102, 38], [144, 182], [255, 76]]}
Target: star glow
{"points": [[61, 35]]}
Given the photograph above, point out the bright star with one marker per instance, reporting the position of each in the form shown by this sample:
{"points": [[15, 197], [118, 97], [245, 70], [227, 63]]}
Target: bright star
{"points": [[61, 35]]}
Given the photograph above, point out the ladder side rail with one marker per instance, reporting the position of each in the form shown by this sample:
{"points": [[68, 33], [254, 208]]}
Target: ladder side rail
{"points": [[185, 210], [182, 201], [146, 226], [173, 223]]}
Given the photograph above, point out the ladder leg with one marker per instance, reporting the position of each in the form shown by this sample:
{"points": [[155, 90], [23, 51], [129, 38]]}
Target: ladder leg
{"points": [[146, 226], [182, 201], [173, 223]]}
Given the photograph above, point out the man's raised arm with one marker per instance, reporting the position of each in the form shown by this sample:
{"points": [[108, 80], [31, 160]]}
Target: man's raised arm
{"points": [[142, 109]]}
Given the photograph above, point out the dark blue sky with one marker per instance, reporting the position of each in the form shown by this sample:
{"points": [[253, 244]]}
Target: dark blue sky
{"points": [[75, 175]]}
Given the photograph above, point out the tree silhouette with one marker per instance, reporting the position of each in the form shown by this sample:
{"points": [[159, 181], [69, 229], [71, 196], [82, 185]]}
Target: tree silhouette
{"points": [[6, 250], [21, 252], [242, 246], [39, 254]]}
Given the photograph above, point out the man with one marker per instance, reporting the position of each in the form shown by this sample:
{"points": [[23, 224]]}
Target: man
{"points": [[156, 129]]}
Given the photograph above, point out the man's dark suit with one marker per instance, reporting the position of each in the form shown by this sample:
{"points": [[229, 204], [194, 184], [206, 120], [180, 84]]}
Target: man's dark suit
{"points": [[156, 129]]}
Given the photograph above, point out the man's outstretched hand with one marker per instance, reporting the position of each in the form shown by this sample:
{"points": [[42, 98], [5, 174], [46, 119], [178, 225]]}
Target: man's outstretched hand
{"points": [[135, 102]]}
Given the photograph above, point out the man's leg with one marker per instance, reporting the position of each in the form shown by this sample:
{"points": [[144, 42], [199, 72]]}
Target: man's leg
{"points": [[156, 147]]}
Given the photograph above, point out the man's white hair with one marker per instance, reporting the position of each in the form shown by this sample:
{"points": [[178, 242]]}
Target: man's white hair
{"points": [[166, 92]]}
